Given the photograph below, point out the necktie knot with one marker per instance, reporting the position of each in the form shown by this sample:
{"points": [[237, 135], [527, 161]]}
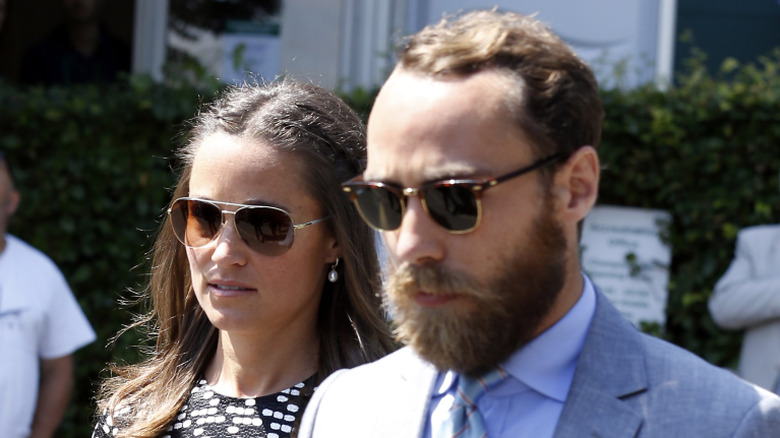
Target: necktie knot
{"points": [[464, 420]]}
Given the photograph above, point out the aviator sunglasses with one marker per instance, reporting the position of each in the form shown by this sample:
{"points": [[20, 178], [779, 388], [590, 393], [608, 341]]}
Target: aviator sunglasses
{"points": [[454, 204], [265, 229]]}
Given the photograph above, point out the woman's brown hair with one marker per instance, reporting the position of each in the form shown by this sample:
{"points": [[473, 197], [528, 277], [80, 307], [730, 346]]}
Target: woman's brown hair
{"points": [[309, 124]]}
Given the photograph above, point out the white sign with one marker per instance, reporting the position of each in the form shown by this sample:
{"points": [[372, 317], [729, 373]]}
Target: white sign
{"points": [[624, 255]]}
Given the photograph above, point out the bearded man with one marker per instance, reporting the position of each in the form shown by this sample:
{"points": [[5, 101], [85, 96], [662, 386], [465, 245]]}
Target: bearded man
{"points": [[482, 163]]}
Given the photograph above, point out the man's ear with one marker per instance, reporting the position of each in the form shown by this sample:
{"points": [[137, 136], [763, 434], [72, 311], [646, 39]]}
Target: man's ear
{"points": [[577, 183]]}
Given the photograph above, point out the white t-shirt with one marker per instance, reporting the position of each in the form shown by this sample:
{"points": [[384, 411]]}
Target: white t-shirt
{"points": [[39, 319]]}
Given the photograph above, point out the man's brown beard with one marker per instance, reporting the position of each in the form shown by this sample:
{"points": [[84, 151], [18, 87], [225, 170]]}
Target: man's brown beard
{"points": [[490, 321]]}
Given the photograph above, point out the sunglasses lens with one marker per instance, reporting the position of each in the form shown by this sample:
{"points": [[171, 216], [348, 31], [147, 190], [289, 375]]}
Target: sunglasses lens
{"points": [[266, 230], [195, 223], [380, 207], [453, 207]]}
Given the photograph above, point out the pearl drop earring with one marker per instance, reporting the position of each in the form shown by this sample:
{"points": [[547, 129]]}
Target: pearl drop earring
{"points": [[333, 275]]}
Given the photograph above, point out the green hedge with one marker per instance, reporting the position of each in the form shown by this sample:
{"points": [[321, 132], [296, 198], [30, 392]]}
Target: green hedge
{"points": [[93, 168], [708, 151]]}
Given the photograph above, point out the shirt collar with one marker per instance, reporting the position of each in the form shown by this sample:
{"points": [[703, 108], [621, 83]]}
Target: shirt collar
{"points": [[547, 363]]}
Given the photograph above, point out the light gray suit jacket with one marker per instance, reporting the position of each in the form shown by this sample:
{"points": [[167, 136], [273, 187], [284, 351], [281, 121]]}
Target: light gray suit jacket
{"points": [[626, 384], [748, 297]]}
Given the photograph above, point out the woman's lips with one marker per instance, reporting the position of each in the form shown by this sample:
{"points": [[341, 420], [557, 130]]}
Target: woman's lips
{"points": [[229, 290]]}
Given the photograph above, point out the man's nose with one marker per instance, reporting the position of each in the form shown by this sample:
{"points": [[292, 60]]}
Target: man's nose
{"points": [[418, 239]]}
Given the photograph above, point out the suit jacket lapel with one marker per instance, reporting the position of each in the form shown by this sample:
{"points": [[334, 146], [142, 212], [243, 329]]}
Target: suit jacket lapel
{"points": [[415, 388], [611, 366]]}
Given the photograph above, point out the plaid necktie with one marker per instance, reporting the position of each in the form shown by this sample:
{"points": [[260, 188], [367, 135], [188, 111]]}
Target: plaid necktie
{"points": [[465, 420]]}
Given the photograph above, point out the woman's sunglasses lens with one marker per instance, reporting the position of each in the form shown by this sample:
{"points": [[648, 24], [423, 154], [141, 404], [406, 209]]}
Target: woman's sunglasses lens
{"points": [[195, 223], [203, 223], [380, 207], [453, 207], [267, 231], [178, 215]]}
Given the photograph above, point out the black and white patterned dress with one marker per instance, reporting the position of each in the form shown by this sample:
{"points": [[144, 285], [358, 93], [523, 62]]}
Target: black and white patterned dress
{"points": [[207, 414]]}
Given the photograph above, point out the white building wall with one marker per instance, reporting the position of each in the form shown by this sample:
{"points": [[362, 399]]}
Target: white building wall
{"points": [[149, 36], [623, 41], [349, 43], [626, 42], [311, 38], [340, 43]]}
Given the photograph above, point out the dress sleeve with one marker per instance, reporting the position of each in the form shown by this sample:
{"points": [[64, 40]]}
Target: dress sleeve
{"points": [[104, 428]]}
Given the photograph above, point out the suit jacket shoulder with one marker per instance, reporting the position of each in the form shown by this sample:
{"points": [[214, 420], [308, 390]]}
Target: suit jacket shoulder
{"points": [[630, 384], [626, 384], [386, 398], [758, 242], [759, 232], [747, 296]]}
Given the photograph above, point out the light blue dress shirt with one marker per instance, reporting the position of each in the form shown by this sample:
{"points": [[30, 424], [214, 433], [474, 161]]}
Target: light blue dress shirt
{"points": [[530, 401]]}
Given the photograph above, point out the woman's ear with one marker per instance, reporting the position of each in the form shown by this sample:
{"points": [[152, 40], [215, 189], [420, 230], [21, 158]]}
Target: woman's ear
{"points": [[334, 251], [577, 182]]}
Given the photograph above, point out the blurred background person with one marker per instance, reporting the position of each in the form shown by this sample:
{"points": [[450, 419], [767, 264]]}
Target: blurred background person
{"points": [[2, 13], [747, 297], [80, 50], [265, 280], [41, 325]]}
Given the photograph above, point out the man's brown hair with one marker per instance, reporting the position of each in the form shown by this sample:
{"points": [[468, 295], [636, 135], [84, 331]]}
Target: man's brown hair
{"points": [[557, 103]]}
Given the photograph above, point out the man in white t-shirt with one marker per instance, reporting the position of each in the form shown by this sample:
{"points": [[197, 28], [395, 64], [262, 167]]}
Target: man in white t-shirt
{"points": [[41, 325]]}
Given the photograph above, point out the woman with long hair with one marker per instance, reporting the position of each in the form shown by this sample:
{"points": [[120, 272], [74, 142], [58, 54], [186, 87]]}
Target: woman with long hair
{"points": [[264, 279]]}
